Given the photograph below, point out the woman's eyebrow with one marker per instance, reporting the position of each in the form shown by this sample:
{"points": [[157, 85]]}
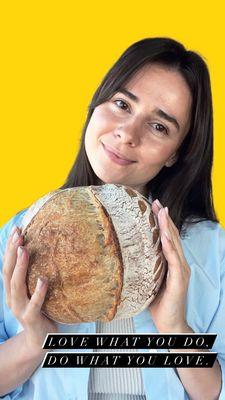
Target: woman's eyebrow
{"points": [[129, 94], [168, 117], [157, 111]]}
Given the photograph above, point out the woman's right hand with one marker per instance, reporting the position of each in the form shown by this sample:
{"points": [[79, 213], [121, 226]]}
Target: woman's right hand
{"points": [[27, 311]]}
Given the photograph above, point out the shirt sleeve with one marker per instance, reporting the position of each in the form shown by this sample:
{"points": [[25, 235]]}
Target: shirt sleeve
{"points": [[3, 334], [217, 325], [4, 234]]}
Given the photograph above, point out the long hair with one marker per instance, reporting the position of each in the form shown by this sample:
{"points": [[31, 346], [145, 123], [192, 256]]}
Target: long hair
{"points": [[185, 187]]}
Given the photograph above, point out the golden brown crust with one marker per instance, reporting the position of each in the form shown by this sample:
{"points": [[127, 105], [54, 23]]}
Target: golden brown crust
{"points": [[81, 282], [100, 248]]}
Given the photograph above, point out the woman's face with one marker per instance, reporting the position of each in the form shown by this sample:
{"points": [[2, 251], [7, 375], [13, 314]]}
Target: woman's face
{"points": [[145, 122]]}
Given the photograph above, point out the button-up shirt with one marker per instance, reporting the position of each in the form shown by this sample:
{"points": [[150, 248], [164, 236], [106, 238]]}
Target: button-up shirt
{"points": [[204, 249]]}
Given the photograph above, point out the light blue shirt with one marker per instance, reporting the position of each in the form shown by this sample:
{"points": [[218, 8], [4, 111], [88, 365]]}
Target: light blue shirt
{"points": [[204, 249]]}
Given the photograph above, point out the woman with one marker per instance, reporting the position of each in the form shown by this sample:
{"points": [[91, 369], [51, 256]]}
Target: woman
{"points": [[154, 110]]}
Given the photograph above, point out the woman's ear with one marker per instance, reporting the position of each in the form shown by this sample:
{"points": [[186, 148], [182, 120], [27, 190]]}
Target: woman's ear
{"points": [[171, 160]]}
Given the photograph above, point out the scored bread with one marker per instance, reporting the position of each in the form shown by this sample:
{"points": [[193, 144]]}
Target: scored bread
{"points": [[99, 247]]}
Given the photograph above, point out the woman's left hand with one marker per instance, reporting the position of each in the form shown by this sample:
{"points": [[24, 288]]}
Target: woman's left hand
{"points": [[168, 310]]}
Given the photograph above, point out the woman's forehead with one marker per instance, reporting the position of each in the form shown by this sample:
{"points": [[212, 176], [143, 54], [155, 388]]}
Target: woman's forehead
{"points": [[161, 79]]}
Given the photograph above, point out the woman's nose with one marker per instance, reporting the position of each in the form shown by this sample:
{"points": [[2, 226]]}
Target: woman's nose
{"points": [[127, 133]]}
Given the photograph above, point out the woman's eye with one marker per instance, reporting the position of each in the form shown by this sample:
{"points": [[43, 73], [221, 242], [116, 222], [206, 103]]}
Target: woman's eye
{"points": [[121, 104], [160, 128]]}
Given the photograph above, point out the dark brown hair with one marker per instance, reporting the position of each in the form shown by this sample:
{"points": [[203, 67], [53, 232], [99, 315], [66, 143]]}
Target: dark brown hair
{"points": [[186, 187]]}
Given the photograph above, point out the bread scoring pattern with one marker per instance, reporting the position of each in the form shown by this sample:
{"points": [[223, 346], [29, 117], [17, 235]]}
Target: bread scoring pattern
{"points": [[100, 248]]}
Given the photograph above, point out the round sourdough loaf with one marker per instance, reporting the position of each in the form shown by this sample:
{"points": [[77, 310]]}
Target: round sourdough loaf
{"points": [[99, 247]]}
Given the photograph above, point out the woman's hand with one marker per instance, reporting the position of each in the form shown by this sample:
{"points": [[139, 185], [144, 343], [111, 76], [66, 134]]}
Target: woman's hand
{"points": [[27, 311], [168, 310]]}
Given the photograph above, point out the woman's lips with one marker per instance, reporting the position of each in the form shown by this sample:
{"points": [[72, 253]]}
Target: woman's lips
{"points": [[116, 159]]}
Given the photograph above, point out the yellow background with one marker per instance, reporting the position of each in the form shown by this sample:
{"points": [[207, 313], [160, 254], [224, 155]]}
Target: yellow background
{"points": [[54, 55]]}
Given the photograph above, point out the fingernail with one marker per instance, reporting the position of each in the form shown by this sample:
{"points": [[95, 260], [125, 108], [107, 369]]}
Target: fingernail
{"points": [[20, 251], [167, 210], [15, 237], [40, 283], [168, 235], [14, 228], [160, 213], [158, 203]]}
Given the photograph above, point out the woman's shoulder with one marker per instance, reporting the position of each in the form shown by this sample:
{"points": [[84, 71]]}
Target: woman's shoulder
{"points": [[6, 229], [204, 230], [204, 242], [14, 220], [204, 227]]}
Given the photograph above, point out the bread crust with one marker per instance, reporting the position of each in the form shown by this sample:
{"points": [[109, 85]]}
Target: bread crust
{"points": [[84, 285], [99, 247], [138, 233]]}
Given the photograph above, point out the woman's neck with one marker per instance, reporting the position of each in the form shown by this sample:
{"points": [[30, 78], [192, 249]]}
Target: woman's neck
{"points": [[142, 190]]}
